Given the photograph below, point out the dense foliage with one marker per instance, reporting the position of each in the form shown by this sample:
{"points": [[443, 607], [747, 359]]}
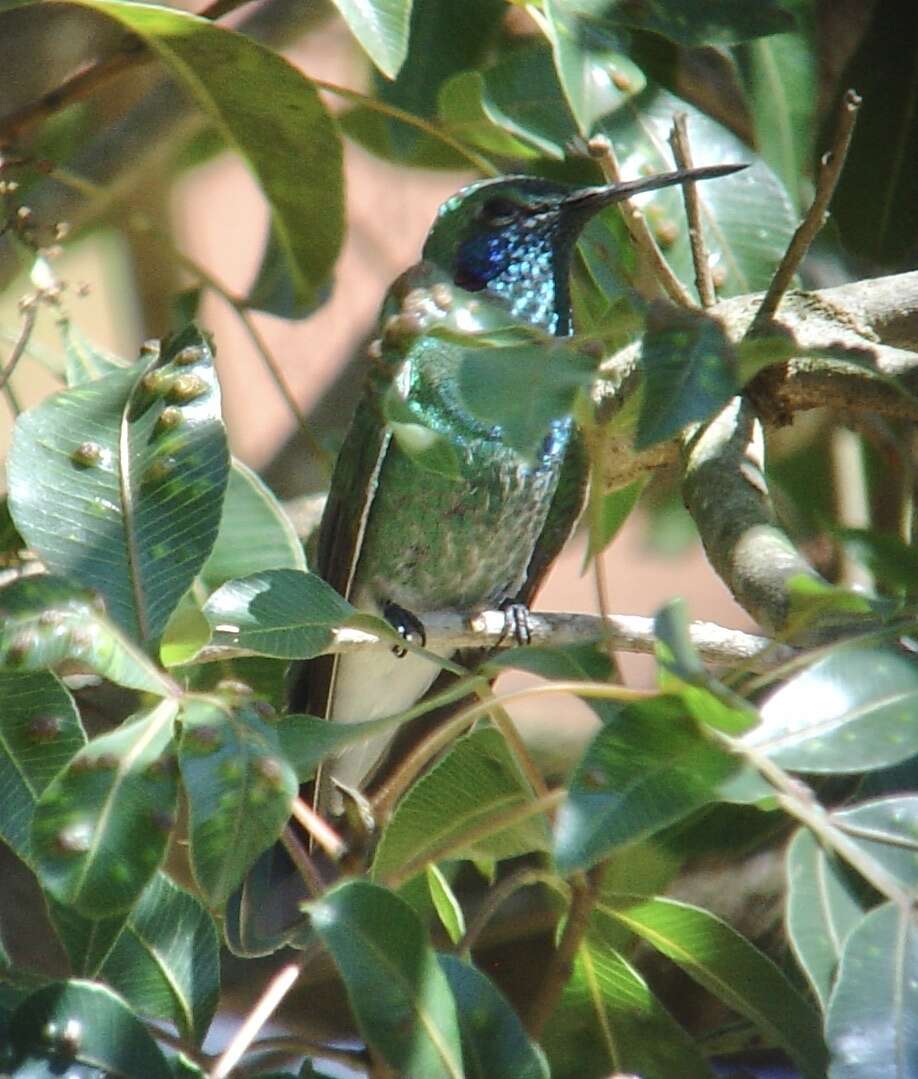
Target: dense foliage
{"points": [[155, 593]]}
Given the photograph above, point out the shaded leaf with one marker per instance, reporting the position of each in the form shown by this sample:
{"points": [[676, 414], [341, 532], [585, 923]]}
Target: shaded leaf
{"points": [[494, 1041], [47, 621], [727, 965], [647, 768], [293, 147], [87, 941], [166, 961], [399, 995], [822, 908], [381, 27], [102, 825], [306, 741], [870, 1025], [851, 711], [473, 786], [688, 372], [607, 512], [608, 1020], [239, 789], [887, 830], [40, 730], [889, 560], [118, 484], [462, 113], [107, 1033], [281, 613], [86, 361]]}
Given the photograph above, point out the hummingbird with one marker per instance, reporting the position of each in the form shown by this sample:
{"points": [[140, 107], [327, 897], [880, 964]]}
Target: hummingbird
{"points": [[399, 540]]}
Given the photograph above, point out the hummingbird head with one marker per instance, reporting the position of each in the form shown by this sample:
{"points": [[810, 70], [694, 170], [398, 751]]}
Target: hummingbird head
{"points": [[514, 237]]}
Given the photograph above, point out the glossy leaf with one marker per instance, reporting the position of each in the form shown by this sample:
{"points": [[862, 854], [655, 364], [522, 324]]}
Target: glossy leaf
{"points": [[46, 621], [609, 1021], [103, 1029], [727, 965], [596, 74], [87, 941], [822, 908], [281, 613], [688, 370], [381, 27], [688, 22], [399, 995], [462, 113], [647, 768], [293, 148], [118, 484], [40, 730], [102, 825], [475, 784], [887, 830], [166, 961], [494, 1041], [871, 1024], [239, 789], [851, 711]]}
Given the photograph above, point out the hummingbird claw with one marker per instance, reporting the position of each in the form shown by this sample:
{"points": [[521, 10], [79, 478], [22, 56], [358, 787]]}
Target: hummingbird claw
{"points": [[516, 622], [407, 625]]}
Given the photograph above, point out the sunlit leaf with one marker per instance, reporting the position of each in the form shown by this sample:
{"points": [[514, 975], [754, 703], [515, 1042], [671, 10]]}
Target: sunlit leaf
{"points": [[86, 361], [445, 903], [381, 27]]}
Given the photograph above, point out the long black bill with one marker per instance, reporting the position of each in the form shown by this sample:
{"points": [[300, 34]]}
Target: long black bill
{"points": [[595, 198]]}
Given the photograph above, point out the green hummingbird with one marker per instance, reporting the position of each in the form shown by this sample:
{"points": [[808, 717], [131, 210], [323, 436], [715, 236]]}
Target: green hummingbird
{"points": [[400, 540]]}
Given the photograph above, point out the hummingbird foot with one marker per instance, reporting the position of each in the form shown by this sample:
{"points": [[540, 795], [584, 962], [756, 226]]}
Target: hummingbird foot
{"points": [[516, 622], [408, 626]]}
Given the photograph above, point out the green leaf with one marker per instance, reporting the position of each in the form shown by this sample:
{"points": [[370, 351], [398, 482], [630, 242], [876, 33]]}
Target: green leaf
{"points": [[282, 613], [86, 361], [607, 512], [647, 768], [476, 784], [608, 1020], [101, 1028], [102, 825], [889, 560], [398, 993], [687, 22], [46, 621], [118, 484], [882, 227], [688, 370], [494, 1041], [381, 27], [430, 449], [239, 789], [444, 39], [87, 941], [293, 147], [780, 75], [887, 830], [445, 903], [731, 968], [40, 730], [594, 71], [822, 909], [851, 711], [870, 1025], [462, 113], [306, 741], [166, 961], [552, 372]]}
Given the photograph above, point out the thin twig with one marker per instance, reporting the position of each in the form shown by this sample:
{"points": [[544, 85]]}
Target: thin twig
{"points": [[602, 150], [320, 830], [584, 893], [495, 898], [304, 865], [268, 1003], [29, 315], [832, 164], [682, 152]]}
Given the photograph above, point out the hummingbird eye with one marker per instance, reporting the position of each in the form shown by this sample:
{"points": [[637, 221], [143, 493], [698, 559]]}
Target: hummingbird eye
{"points": [[498, 212]]}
